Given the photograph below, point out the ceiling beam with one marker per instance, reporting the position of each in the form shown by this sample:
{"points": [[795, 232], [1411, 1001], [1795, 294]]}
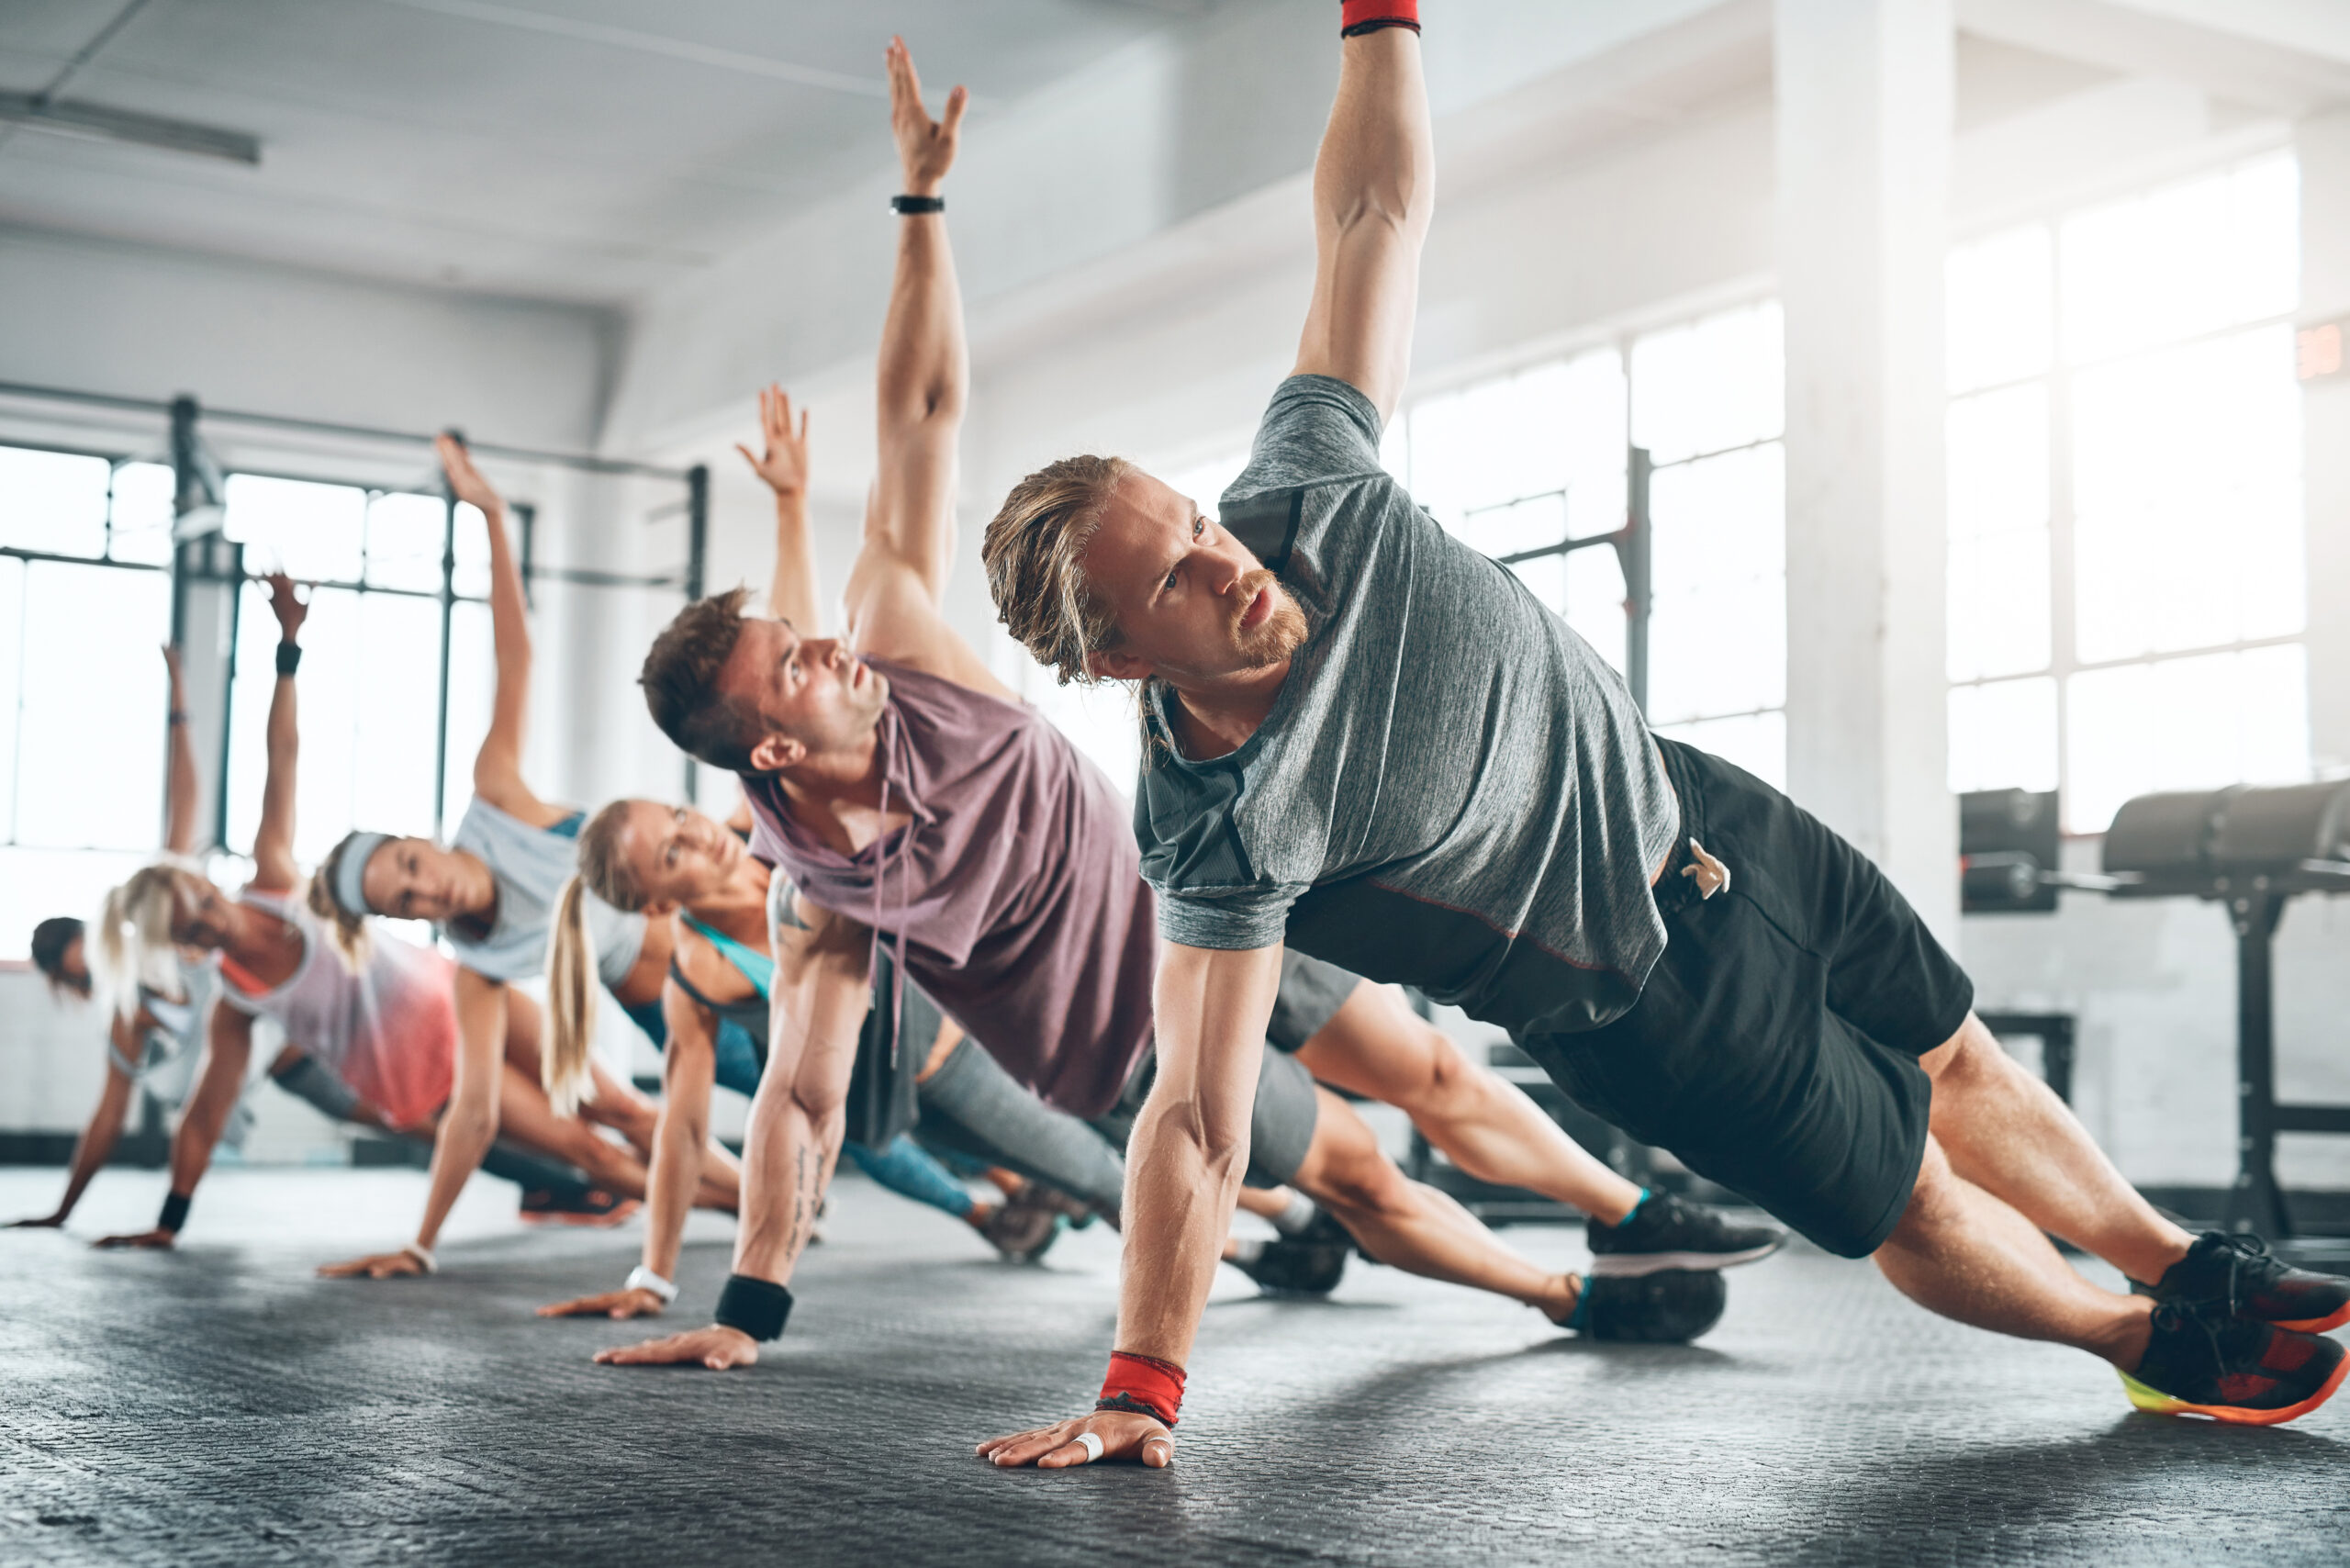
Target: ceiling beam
{"points": [[629, 39], [96, 122], [2137, 40]]}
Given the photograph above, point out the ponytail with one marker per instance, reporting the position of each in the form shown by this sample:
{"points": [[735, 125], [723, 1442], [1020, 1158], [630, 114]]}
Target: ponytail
{"points": [[572, 980], [132, 948]]}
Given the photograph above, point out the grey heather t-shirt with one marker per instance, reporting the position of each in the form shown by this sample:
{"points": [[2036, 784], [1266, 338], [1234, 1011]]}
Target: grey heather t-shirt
{"points": [[1452, 790]]}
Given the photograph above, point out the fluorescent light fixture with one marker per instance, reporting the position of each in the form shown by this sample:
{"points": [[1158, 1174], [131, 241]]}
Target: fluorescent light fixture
{"points": [[98, 123]]}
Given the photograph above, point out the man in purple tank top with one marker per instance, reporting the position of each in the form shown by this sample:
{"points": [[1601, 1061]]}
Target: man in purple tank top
{"points": [[912, 801]]}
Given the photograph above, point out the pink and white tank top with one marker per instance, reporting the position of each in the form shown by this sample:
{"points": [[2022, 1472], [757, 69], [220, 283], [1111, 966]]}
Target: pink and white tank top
{"points": [[390, 1031]]}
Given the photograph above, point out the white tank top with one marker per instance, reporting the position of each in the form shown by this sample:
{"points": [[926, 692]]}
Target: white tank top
{"points": [[390, 1031], [531, 865]]}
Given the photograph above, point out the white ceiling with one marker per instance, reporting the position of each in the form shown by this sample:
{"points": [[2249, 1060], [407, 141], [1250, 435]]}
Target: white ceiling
{"points": [[569, 150]]}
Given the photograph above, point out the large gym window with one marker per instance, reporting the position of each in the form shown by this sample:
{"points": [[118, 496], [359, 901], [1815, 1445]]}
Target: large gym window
{"points": [[1529, 459], [370, 668], [85, 603], [2126, 567]]}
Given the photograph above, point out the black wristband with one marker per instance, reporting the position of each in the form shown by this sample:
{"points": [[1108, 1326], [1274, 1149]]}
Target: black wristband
{"points": [[908, 205], [758, 1307], [175, 1213], [289, 657]]}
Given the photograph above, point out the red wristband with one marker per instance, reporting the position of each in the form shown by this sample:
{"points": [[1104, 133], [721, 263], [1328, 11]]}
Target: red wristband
{"points": [[1370, 15], [1144, 1384]]}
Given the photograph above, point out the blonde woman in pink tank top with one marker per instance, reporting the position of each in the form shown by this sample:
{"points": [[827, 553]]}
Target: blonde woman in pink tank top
{"points": [[383, 1020]]}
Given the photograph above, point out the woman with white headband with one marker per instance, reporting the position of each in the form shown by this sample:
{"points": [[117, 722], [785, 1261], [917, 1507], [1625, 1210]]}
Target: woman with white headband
{"points": [[377, 1014], [491, 892]]}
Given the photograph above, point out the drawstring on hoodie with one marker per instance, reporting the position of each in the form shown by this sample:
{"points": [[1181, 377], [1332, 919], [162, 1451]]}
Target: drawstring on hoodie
{"points": [[890, 743]]}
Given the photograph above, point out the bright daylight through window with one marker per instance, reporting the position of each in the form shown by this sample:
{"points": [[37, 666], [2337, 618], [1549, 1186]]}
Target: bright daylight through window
{"points": [[2126, 582], [86, 581]]}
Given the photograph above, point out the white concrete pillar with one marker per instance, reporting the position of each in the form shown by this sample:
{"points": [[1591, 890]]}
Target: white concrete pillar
{"points": [[1864, 101], [2324, 141]]}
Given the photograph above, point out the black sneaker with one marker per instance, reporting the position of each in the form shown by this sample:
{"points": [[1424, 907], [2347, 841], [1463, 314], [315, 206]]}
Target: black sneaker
{"points": [[1310, 1263], [2239, 1272], [1022, 1229], [1666, 1233], [1671, 1307], [2203, 1361]]}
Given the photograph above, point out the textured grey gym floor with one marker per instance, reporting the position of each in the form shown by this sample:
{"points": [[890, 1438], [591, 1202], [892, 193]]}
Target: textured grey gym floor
{"points": [[220, 1406]]}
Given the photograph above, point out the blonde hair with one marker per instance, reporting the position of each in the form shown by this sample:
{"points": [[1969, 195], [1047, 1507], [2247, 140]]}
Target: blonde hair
{"points": [[349, 934], [1034, 551], [572, 978], [130, 946]]}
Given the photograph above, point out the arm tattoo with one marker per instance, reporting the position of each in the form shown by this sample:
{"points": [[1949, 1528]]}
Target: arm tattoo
{"points": [[805, 1200], [783, 906]]}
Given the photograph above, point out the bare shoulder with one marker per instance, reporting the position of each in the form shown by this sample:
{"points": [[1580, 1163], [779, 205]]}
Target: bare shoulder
{"points": [[699, 959]]}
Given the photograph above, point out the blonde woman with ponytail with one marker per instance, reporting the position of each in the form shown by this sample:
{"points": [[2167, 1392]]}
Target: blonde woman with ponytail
{"points": [[155, 1031], [373, 1044]]}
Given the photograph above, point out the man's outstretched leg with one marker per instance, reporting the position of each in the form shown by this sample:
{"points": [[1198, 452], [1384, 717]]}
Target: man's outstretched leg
{"points": [[2006, 1133], [1962, 1252], [1375, 1046], [2020, 1150]]}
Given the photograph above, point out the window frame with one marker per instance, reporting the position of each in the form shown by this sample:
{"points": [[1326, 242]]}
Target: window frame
{"points": [[2057, 379], [116, 461]]}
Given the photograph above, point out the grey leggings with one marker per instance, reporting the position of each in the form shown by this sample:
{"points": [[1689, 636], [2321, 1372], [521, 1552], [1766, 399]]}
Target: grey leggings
{"points": [[972, 1105], [308, 1080]]}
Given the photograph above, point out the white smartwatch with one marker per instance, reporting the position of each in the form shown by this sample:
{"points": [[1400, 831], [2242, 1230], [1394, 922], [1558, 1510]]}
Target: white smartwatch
{"points": [[644, 1278]]}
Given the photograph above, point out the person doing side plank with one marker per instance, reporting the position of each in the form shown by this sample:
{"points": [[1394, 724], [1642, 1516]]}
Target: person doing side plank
{"points": [[379, 1020], [912, 802], [158, 1046], [492, 893], [1374, 745], [678, 862]]}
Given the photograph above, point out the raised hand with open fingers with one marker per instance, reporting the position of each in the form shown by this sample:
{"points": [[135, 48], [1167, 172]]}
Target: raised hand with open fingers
{"points": [[925, 146], [784, 463], [1113, 1434], [465, 482], [716, 1347], [287, 606]]}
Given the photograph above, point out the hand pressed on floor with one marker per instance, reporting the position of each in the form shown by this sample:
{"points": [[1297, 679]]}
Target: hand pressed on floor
{"points": [[159, 1239], [716, 1347], [622, 1304], [374, 1266], [1124, 1436]]}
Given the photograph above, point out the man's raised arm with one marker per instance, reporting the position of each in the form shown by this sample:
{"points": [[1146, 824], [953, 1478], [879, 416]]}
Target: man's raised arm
{"points": [[923, 384], [1374, 187]]}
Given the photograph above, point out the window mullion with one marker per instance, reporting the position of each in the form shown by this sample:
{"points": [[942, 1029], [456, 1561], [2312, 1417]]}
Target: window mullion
{"points": [[2062, 648]]}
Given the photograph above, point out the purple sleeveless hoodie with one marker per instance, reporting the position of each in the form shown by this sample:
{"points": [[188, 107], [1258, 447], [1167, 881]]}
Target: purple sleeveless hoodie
{"points": [[1016, 892]]}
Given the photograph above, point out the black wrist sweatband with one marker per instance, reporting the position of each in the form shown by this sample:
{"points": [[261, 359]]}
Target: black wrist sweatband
{"points": [[289, 657], [753, 1306], [175, 1213], [908, 205]]}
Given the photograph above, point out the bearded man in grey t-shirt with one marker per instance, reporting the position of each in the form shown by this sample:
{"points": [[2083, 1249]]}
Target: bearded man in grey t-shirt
{"points": [[1369, 743]]}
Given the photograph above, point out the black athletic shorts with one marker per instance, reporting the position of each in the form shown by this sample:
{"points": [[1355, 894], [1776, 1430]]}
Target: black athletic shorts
{"points": [[1774, 1048]]}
